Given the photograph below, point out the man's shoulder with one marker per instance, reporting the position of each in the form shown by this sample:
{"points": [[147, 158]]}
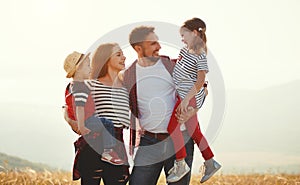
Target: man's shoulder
{"points": [[168, 63]]}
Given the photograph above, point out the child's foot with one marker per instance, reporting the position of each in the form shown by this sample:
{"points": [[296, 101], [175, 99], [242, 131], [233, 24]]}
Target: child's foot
{"points": [[178, 171], [111, 157], [211, 167]]}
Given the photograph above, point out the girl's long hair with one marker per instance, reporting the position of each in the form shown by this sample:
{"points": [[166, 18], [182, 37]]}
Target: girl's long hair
{"points": [[199, 44]]}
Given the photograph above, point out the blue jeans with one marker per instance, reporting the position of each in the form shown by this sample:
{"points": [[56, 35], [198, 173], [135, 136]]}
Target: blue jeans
{"points": [[105, 128], [153, 155]]}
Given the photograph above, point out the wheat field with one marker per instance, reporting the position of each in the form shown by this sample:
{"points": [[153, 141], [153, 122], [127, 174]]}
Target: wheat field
{"points": [[29, 176]]}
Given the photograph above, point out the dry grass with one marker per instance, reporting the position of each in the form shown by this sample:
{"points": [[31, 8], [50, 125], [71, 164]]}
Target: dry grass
{"points": [[29, 176]]}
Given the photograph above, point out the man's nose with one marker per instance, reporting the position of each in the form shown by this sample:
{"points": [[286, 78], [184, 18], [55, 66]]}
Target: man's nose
{"points": [[158, 46]]}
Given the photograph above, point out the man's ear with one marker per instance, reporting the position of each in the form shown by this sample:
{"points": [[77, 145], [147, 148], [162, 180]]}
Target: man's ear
{"points": [[138, 48]]}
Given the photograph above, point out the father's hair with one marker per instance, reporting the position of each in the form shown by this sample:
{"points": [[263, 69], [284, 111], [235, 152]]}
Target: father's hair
{"points": [[139, 35]]}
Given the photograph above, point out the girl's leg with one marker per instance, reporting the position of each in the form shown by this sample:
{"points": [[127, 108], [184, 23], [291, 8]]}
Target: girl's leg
{"points": [[176, 135], [180, 168], [193, 128]]}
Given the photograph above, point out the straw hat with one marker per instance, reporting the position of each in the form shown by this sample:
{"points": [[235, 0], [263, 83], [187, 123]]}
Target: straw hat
{"points": [[71, 62]]}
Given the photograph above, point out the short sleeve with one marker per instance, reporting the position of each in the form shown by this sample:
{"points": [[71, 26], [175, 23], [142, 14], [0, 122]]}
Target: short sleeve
{"points": [[202, 63], [80, 92]]}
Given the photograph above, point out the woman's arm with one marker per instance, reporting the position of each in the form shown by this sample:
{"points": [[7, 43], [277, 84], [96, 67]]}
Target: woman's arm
{"points": [[72, 123]]}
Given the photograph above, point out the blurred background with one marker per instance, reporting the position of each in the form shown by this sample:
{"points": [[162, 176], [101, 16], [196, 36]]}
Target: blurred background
{"points": [[255, 43]]}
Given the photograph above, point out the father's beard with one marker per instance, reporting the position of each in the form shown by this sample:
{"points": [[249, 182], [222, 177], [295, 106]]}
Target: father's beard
{"points": [[151, 59]]}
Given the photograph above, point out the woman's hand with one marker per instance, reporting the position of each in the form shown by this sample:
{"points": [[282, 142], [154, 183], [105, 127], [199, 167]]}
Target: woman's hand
{"points": [[75, 128], [72, 123]]}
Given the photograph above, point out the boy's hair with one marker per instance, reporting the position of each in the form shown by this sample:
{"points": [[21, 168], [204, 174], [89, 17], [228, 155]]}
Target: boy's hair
{"points": [[139, 35]]}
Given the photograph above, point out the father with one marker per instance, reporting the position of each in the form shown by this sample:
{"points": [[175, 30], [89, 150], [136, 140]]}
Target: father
{"points": [[152, 99]]}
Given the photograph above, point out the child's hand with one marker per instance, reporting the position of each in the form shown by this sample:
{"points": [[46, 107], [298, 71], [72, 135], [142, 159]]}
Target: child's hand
{"points": [[83, 130], [183, 106], [184, 117]]}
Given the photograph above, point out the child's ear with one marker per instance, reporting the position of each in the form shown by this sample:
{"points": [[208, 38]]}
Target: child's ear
{"points": [[195, 32]]}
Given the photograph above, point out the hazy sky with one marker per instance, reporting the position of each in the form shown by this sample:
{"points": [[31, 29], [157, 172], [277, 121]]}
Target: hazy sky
{"points": [[256, 43]]}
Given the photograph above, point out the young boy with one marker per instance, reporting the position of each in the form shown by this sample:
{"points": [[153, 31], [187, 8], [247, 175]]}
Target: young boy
{"points": [[77, 66]]}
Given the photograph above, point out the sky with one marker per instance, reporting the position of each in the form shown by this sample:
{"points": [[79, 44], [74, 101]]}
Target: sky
{"points": [[255, 43]]}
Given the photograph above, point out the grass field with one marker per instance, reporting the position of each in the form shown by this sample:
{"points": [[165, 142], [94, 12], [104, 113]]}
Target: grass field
{"points": [[29, 176]]}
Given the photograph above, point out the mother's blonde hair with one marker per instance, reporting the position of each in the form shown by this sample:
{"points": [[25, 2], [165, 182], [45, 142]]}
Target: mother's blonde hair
{"points": [[99, 67]]}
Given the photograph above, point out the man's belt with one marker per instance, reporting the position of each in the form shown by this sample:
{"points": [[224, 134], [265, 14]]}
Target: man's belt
{"points": [[159, 136]]}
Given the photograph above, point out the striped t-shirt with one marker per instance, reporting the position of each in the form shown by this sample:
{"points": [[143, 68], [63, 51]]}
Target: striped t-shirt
{"points": [[185, 74], [81, 97], [110, 102]]}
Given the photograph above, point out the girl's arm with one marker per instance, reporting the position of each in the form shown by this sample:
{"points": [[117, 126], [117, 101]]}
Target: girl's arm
{"points": [[183, 107], [80, 119]]}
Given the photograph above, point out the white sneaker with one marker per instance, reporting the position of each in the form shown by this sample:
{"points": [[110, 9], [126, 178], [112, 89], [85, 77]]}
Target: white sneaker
{"points": [[179, 170], [211, 167]]}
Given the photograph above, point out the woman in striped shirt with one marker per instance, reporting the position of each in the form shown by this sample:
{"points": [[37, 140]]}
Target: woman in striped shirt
{"points": [[189, 78], [111, 102]]}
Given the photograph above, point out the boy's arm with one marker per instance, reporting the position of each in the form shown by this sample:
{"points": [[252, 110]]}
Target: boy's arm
{"points": [[80, 120]]}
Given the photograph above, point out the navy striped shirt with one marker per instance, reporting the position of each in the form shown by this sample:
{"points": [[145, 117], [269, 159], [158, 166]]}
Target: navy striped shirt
{"points": [[110, 102], [185, 73]]}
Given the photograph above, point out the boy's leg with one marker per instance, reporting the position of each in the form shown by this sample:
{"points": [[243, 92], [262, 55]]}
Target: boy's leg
{"points": [[109, 155], [103, 126], [108, 133]]}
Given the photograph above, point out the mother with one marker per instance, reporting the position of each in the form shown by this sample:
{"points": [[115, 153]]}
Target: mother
{"points": [[111, 102]]}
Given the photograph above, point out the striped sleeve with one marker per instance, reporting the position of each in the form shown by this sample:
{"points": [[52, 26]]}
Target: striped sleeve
{"points": [[201, 63], [80, 92]]}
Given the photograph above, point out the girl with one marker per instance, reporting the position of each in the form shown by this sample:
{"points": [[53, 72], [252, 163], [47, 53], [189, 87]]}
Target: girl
{"points": [[189, 78]]}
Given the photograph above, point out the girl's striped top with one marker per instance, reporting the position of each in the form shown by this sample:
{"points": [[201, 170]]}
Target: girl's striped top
{"points": [[185, 73]]}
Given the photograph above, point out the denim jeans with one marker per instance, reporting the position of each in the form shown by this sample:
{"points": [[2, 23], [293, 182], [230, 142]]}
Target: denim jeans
{"points": [[105, 128], [153, 155], [92, 169]]}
